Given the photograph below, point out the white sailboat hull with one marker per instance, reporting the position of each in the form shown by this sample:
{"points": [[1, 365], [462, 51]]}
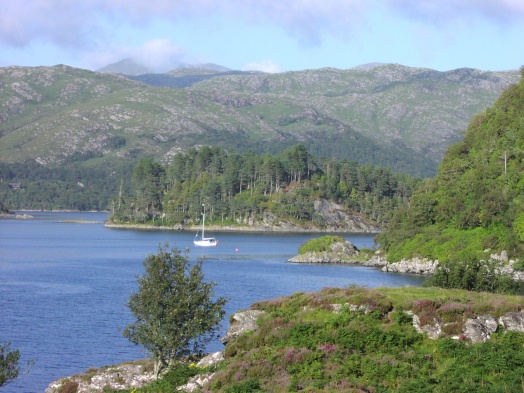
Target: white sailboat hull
{"points": [[208, 242]]}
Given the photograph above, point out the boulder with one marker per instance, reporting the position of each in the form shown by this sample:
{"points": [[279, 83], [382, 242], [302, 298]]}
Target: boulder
{"points": [[479, 329], [513, 321], [241, 322]]}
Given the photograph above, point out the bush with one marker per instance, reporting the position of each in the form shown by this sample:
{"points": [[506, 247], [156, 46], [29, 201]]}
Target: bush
{"points": [[250, 386], [320, 244]]}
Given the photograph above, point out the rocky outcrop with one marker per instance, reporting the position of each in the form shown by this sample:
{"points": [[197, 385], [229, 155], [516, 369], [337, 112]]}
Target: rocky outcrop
{"points": [[199, 381], [341, 252], [241, 322], [477, 330], [118, 377], [414, 266]]}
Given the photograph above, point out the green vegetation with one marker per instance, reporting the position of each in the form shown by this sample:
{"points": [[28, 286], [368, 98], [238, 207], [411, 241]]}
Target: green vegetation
{"points": [[473, 207], [240, 187], [9, 367], [303, 344], [474, 276], [71, 186], [175, 313], [320, 244], [52, 115]]}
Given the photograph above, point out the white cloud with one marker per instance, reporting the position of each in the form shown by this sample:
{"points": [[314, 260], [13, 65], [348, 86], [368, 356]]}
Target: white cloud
{"points": [[445, 11], [264, 66], [158, 55]]}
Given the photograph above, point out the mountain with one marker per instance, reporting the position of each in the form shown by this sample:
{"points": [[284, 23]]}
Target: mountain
{"points": [[126, 67], [474, 207], [391, 115], [132, 67], [184, 77]]}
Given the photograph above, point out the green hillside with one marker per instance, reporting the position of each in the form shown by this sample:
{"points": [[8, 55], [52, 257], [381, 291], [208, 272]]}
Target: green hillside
{"points": [[475, 205], [393, 116]]}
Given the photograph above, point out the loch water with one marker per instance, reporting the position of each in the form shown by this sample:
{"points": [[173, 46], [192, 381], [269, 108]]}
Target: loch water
{"points": [[65, 280]]}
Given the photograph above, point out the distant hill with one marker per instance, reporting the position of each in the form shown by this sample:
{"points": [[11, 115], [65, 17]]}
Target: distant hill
{"points": [[395, 116], [474, 207], [184, 77], [132, 67], [126, 67]]}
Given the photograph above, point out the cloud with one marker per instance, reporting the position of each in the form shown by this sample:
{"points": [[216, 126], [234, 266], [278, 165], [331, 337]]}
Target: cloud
{"points": [[84, 23], [446, 11], [158, 55], [264, 66], [61, 22]]}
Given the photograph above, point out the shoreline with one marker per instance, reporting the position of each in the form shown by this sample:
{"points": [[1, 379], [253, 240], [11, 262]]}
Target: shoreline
{"points": [[228, 228]]}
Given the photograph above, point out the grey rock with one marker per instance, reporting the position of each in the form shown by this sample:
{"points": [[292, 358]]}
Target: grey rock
{"points": [[513, 321], [479, 329], [119, 377], [197, 382], [211, 359], [415, 266], [433, 331], [241, 322]]}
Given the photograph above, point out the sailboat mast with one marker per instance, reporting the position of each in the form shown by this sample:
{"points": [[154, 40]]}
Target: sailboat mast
{"points": [[203, 220]]}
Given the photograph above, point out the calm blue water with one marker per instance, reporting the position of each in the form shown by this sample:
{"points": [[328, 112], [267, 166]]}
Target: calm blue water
{"points": [[64, 286]]}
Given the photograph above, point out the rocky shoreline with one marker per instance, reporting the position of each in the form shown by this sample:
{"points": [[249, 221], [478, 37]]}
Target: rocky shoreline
{"points": [[347, 253], [283, 228]]}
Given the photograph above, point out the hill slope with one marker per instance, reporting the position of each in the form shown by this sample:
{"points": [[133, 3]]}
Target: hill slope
{"points": [[390, 115], [475, 204]]}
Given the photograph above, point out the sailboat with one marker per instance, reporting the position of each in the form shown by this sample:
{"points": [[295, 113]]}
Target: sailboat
{"points": [[204, 241]]}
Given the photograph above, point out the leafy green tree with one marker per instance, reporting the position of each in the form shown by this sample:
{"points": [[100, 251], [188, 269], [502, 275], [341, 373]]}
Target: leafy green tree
{"points": [[474, 275], [9, 368], [175, 313]]}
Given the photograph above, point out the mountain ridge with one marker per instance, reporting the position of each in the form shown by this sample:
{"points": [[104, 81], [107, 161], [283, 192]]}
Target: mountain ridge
{"points": [[395, 116]]}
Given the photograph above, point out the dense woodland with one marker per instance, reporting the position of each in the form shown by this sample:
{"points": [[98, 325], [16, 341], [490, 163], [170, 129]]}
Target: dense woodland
{"points": [[236, 187], [475, 204], [68, 187]]}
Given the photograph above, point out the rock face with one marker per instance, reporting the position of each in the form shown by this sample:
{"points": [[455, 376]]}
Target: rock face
{"points": [[415, 266], [241, 322]]}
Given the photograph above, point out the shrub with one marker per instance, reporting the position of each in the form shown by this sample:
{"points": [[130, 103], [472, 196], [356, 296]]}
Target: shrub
{"points": [[250, 386], [319, 244], [68, 386]]}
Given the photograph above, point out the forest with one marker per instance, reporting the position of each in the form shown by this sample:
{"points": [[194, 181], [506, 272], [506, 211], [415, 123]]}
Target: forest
{"points": [[475, 205], [239, 187]]}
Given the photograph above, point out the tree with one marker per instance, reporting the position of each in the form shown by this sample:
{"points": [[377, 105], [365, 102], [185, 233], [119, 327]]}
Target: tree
{"points": [[9, 368], [175, 313]]}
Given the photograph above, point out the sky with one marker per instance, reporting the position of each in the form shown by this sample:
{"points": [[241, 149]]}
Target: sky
{"points": [[264, 35]]}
